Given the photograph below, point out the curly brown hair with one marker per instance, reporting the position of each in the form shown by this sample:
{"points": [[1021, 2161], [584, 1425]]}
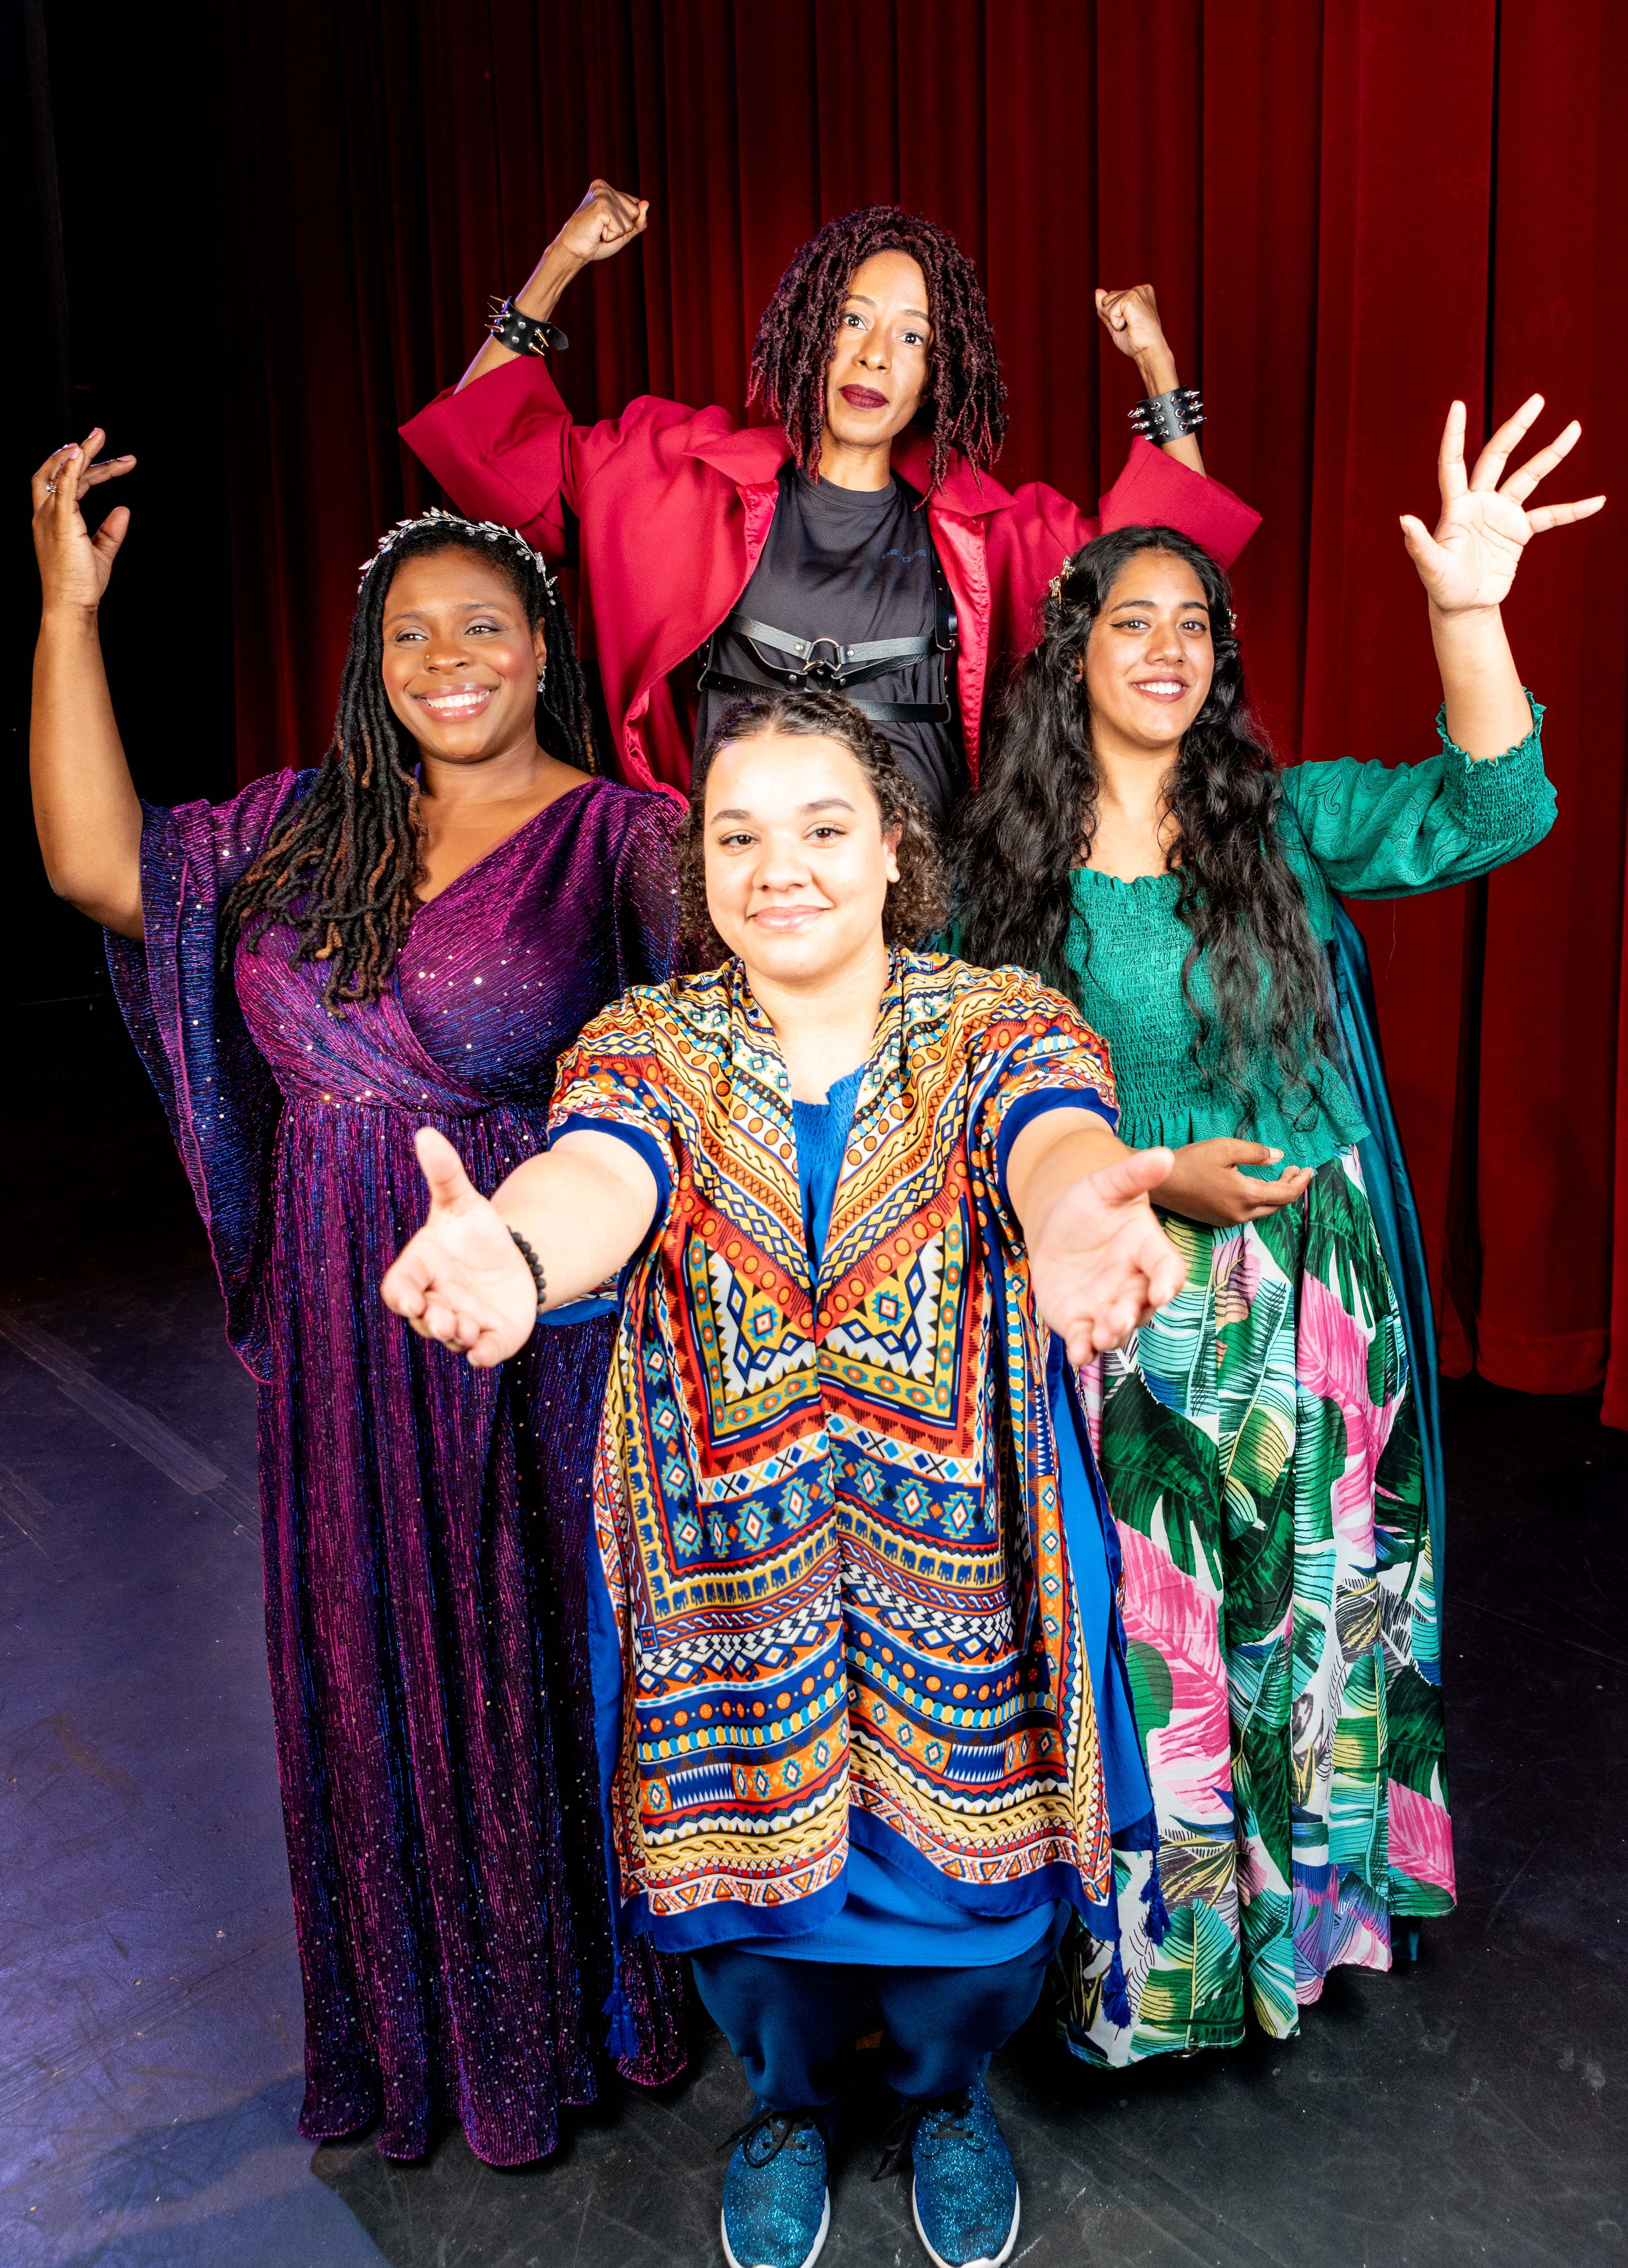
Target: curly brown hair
{"points": [[917, 904], [965, 404]]}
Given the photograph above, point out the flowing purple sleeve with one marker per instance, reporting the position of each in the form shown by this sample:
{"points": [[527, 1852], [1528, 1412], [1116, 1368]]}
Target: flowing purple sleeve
{"points": [[650, 945], [217, 1087]]}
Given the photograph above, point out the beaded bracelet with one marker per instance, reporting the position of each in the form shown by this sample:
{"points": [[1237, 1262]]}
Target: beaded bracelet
{"points": [[524, 334], [530, 1257], [1163, 418]]}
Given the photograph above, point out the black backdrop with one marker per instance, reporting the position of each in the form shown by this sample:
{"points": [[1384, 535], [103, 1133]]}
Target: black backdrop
{"points": [[117, 276]]}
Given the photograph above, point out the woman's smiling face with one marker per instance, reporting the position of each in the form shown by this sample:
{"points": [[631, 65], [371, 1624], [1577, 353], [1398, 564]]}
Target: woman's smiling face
{"points": [[798, 864], [460, 662], [1151, 657]]}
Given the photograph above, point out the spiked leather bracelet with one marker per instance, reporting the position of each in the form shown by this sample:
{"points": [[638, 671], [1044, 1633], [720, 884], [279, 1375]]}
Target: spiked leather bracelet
{"points": [[524, 334], [1161, 417]]}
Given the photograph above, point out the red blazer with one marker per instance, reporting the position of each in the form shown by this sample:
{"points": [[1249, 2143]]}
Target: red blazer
{"points": [[674, 505]]}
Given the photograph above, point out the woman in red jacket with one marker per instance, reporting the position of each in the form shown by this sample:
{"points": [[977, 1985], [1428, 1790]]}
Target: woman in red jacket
{"points": [[796, 554]]}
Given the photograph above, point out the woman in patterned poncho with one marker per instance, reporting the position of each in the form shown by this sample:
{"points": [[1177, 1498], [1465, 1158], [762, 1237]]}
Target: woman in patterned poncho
{"points": [[864, 1725]]}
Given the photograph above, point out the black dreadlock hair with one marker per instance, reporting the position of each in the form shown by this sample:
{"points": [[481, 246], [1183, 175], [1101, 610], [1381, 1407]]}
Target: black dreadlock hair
{"points": [[1032, 822], [966, 395], [342, 868]]}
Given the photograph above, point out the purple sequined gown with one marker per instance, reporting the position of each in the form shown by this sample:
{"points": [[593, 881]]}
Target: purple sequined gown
{"points": [[424, 1524]]}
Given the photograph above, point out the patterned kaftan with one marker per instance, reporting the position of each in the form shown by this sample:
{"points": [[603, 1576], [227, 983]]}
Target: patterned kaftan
{"points": [[840, 1601]]}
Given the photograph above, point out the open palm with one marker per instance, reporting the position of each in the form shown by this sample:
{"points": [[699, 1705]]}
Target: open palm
{"points": [[1470, 560], [461, 1280], [1101, 1264]]}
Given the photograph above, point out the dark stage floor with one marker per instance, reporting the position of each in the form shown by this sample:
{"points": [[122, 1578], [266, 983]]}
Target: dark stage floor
{"points": [[1469, 2109]]}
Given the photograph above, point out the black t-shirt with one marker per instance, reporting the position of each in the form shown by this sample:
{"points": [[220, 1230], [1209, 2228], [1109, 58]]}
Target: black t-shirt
{"points": [[854, 564]]}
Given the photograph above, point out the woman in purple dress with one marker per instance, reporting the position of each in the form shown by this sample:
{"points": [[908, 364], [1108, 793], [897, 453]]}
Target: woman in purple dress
{"points": [[407, 936]]}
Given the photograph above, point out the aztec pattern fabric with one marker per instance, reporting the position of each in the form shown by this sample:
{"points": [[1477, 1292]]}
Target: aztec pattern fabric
{"points": [[1261, 1452], [828, 1507]]}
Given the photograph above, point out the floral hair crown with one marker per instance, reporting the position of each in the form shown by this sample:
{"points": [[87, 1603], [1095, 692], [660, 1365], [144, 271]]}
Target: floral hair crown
{"points": [[490, 531]]}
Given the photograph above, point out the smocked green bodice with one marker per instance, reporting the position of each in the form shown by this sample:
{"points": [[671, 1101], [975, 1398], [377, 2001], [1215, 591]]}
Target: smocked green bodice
{"points": [[1359, 830]]}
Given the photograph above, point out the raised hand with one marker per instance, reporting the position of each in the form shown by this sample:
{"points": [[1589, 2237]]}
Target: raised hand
{"points": [[1470, 560], [462, 1280], [604, 223], [1131, 319], [606, 220], [1101, 1264], [74, 565]]}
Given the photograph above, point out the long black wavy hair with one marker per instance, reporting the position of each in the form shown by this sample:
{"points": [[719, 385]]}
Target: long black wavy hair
{"points": [[965, 405], [1031, 823], [343, 867]]}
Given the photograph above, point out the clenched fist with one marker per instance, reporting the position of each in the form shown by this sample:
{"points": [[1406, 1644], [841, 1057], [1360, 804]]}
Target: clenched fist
{"points": [[603, 224]]}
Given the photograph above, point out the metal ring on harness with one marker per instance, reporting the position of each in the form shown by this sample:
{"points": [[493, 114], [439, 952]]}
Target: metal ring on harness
{"points": [[823, 673], [852, 666]]}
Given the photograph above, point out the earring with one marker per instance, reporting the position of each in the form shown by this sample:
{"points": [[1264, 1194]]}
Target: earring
{"points": [[542, 677]]}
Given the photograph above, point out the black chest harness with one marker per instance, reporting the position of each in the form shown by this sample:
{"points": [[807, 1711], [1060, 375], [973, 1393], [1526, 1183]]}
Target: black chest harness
{"points": [[826, 665]]}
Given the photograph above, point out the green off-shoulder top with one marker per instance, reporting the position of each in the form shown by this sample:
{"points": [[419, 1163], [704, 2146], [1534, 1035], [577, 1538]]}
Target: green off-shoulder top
{"points": [[1358, 829]]}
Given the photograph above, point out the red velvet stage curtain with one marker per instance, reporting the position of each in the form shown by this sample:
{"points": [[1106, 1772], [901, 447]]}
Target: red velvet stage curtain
{"points": [[1351, 212]]}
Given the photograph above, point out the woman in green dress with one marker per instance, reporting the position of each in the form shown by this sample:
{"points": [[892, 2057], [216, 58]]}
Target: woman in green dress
{"points": [[1135, 846]]}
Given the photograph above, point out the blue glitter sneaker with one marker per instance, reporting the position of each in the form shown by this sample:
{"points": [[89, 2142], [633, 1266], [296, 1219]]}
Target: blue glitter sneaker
{"points": [[965, 2193], [777, 2206]]}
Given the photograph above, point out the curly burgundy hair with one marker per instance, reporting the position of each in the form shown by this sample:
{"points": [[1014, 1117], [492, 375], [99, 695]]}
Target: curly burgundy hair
{"points": [[965, 406]]}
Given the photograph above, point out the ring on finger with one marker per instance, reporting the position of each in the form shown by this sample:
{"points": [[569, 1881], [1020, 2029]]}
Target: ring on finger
{"points": [[50, 488]]}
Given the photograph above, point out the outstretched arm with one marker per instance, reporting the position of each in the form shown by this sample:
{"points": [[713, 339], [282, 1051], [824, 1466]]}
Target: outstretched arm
{"points": [[1131, 319], [584, 1207], [1468, 564], [605, 221], [86, 810], [1099, 1261]]}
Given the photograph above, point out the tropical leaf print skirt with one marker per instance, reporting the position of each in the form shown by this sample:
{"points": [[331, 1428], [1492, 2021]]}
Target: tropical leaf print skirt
{"points": [[1261, 1452]]}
